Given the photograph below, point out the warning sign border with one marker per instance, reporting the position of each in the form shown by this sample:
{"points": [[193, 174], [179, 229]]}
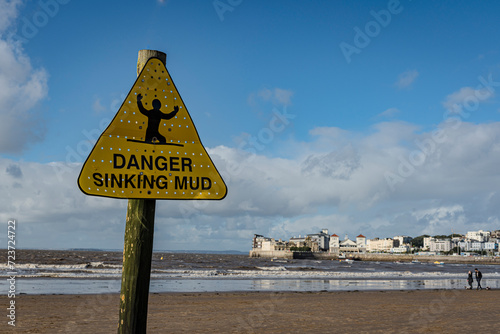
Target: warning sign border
{"points": [[194, 127]]}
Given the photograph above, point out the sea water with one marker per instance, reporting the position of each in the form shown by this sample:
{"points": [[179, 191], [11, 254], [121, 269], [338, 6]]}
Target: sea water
{"points": [[84, 272]]}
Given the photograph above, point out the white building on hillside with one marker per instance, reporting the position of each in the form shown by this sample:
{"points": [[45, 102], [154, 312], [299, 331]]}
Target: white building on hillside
{"points": [[465, 245], [263, 243], [258, 240], [401, 240], [481, 236], [495, 234], [322, 239], [361, 243], [298, 241], [440, 245], [379, 245], [427, 242], [334, 243], [490, 246], [437, 245], [476, 246], [347, 245]]}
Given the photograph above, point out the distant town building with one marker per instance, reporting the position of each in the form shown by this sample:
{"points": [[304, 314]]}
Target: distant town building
{"points": [[334, 243], [465, 245], [495, 234], [427, 243], [347, 245], [268, 244], [379, 245], [297, 241], [322, 239], [481, 236], [401, 240], [476, 246], [361, 243], [258, 240], [440, 245], [490, 246]]}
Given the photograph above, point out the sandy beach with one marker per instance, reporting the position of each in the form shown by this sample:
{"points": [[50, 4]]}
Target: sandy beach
{"points": [[434, 311]]}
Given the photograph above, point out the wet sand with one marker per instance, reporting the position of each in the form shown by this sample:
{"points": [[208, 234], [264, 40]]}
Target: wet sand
{"points": [[431, 311]]}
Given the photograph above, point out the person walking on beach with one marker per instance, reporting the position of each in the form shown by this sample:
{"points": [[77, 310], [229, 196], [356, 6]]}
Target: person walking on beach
{"points": [[469, 280], [478, 279]]}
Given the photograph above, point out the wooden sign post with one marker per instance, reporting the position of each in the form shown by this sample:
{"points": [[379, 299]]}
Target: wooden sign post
{"points": [[150, 150], [137, 249]]}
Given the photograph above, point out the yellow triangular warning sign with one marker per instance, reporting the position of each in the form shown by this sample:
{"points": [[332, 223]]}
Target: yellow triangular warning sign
{"points": [[151, 148]]}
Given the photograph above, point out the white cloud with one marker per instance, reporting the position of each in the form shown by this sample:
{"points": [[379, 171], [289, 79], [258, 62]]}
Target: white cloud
{"points": [[388, 113], [8, 13], [438, 217], [467, 98], [336, 164], [21, 89], [340, 186], [277, 96], [405, 79]]}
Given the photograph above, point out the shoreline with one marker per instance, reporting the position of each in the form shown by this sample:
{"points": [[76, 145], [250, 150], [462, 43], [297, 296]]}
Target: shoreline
{"points": [[116, 295], [87, 287], [416, 311]]}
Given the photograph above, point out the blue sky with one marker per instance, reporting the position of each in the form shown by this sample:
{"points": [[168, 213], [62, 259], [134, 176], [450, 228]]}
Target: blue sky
{"points": [[391, 115]]}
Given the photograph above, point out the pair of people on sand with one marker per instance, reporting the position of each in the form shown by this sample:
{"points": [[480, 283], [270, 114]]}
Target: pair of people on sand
{"points": [[479, 276]]}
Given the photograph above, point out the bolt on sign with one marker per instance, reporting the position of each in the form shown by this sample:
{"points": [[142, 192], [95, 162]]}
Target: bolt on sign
{"points": [[151, 149]]}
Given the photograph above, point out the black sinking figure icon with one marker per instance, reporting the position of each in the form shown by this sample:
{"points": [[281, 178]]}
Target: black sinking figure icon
{"points": [[155, 116]]}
